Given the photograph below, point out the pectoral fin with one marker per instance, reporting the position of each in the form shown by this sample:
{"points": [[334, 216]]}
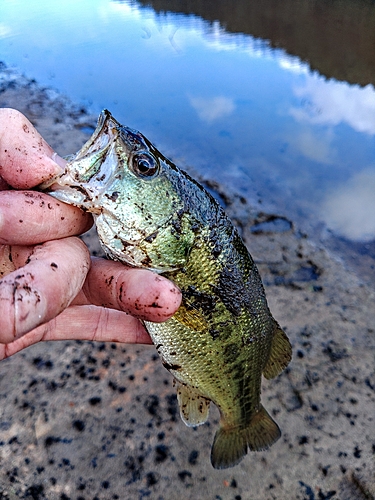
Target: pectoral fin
{"points": [[194, 408], [190, 317], [280, 355]]}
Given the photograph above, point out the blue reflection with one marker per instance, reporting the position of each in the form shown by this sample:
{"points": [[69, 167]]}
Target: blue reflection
{"points": [[248, 116]]}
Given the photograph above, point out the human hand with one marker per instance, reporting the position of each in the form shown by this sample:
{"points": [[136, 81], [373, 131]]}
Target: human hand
{"points": [[50, 288]]}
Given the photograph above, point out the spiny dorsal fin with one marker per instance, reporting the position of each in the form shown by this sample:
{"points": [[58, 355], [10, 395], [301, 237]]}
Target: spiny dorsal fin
{"points": [[231, 444], [194, 408], [280, 354]]}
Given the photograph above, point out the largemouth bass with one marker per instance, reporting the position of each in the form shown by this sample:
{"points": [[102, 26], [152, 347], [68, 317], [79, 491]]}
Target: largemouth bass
{"points": [[151, 214]]}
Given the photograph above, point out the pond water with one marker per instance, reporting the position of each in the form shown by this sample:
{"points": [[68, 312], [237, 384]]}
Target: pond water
{"points": [[277, 102]]}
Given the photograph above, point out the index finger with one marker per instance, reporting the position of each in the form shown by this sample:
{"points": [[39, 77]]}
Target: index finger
{"points": [[26, 159]]}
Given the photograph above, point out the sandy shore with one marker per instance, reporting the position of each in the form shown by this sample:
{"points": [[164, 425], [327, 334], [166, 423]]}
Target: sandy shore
{"points": [[83, 420]]}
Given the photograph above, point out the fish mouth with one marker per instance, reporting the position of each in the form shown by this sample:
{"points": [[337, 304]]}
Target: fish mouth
{"points": [[106, 132], [87, 173]]}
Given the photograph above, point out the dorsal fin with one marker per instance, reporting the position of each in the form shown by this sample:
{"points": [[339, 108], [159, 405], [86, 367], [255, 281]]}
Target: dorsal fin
{"points": [[280, 354]]}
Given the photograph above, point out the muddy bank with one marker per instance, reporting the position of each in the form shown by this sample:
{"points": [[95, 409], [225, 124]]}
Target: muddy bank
{"points": [[83, 420]]}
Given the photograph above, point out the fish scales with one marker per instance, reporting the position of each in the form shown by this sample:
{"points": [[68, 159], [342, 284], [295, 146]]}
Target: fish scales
{"points": [[223, 337]]}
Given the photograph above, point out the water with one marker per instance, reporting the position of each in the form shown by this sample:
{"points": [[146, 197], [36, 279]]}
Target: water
{"points": [[230, 91]]}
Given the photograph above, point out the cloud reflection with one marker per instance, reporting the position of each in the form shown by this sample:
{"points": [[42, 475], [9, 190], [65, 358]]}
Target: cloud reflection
{"points": [[315, 145], [332, 103], [350, 209], [212, 109], [4, 30]]}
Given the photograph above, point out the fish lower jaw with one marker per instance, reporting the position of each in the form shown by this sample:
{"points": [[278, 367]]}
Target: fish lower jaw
{"points": [[75, 196]]}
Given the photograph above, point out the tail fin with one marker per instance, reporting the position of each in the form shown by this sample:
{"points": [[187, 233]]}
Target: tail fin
{"points": [[231, 445]]}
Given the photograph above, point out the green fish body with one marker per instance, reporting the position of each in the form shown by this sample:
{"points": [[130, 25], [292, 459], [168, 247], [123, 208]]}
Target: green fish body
{"points": [[150, 214]]}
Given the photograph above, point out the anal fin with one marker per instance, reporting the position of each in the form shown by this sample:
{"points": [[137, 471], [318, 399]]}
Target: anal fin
{"points": [[280, 354], [194, 408]]}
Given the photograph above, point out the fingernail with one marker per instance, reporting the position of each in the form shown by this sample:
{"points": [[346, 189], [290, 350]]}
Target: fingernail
{"points": [[60, 161]]}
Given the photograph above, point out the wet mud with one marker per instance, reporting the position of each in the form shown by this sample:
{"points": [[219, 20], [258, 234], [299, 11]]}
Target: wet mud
{"points": [[84, 421]]}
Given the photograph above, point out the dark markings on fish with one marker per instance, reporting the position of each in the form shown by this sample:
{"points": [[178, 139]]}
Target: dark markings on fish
{"points": [[200, 407], [215, 241], [232, 279], [248, 340], [199, 300], [54, 265], [231, 352], [113, 197], [146, 261], [83, 191], [150, 238], [169, 366], [176, 224], [125, 244], [101, 178], [215, 334], [195, 227]]}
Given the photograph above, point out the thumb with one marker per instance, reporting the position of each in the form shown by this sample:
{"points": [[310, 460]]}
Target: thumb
{"points": [[26, 159]]}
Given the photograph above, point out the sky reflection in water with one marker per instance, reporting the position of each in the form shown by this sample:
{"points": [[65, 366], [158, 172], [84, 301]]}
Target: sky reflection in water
{"points": [[251, 117]]}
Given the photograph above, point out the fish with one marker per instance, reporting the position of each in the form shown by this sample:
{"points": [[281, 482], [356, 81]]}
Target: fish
{"points": [[151, 214]]}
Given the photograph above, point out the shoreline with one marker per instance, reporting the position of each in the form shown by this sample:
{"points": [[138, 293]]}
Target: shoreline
{"points": [[95, 420]]}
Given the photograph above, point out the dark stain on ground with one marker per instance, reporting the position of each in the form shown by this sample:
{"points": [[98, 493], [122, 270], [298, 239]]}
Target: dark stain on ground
{"points": [[161, 453], [334, 351], [36, 492], [270, 223], [172, 406], [193, 457], [152, 404], [42, 364], [79, 425], [184, 474]]}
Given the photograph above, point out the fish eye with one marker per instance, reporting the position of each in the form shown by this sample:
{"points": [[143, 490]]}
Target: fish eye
{"points": [[144, 165]]}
